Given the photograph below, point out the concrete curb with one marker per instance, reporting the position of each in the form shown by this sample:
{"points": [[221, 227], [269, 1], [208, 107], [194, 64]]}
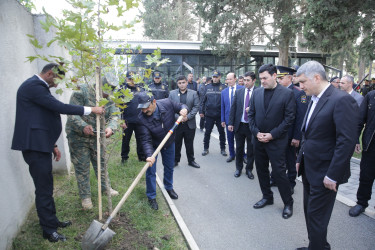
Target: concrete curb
{"points": [[180, 221]]}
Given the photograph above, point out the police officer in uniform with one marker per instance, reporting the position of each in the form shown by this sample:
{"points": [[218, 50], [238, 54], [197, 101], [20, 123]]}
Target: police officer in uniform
{"points": [[158, 88], [130, 116], [284, 77], [210, 108]]}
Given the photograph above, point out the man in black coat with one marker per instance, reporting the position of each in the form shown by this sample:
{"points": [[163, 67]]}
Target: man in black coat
{"points": [[155, 120], [37, 128], [239, 123], [329, 135], [130, 117], [272, 110], [284, 77], [367, 166]]}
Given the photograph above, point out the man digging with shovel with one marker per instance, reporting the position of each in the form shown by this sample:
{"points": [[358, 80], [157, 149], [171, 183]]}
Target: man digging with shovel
{"points": [[156, 118]]}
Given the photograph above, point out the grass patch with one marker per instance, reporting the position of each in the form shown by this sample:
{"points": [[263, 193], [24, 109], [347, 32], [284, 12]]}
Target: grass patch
{"points": [[137, 226]]}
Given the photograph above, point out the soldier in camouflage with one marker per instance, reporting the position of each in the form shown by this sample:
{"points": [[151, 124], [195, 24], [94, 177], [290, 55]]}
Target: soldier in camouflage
{"points": [[82, 141]]}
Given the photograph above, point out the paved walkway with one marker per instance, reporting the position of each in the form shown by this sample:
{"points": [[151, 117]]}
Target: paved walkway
{"points": [[217, 209]]}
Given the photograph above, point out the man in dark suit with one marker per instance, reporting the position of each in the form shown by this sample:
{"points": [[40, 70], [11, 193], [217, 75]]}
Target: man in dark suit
{"points": [[186, 130], [227, 97], [191, 84], [329, 134], [272, 110], [239, 123], [284, 77], [37, 128], [367, 165]]}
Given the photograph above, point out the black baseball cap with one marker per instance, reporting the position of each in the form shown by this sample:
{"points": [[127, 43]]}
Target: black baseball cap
{"points": [[144, 100]]}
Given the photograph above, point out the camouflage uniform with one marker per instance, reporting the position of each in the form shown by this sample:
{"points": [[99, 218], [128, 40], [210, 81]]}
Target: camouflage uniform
{"points": [[83, 147]]}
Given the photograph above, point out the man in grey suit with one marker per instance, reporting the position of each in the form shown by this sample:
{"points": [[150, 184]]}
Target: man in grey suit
{"points": [[346, 84], [239, 123], [186, 130]]}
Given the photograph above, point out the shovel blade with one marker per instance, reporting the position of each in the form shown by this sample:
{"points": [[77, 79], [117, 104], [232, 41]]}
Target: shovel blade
{"points": [[95, 237]]}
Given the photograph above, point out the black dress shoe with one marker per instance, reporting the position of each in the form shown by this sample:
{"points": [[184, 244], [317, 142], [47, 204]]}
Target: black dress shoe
{"points": [[263, 202], [205, 152], [175, 163], [245, 160], [172, 194], [356, 210], [237, 173], [54, 237], [153, 204], [230, 158], [249, 174], [194, 164], [302, 248], [63, 224], [288, 211], [124, 160], [223, 153]]}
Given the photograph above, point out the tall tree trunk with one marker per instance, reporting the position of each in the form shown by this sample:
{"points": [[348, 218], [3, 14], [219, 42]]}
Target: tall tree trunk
{"points": [[284, 51]]}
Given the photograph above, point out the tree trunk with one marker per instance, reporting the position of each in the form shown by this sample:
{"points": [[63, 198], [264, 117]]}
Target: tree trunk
{"points": [[284, 52]]}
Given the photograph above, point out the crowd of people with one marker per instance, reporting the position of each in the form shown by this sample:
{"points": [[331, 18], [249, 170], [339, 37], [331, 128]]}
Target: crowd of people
{"points": [[295, 123]]}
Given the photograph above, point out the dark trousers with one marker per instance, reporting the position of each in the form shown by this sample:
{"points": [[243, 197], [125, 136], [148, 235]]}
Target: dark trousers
{"points": [[290, 161], [243, 134], [274, 153], [40, 168], [127, 135], [366, 176], [230, 139], [167, 157], [318, 203], [201, 123], [209, 125], [183, 132]]}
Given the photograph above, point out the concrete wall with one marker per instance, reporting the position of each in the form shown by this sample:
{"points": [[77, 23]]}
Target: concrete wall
{"points": [[16, 185]]}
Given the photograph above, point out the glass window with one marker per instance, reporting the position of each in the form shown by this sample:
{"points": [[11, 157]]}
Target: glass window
{"points": [[192, 60], [268, 60], [223, 61], [174, 59], [207, 60], [304, 60]]}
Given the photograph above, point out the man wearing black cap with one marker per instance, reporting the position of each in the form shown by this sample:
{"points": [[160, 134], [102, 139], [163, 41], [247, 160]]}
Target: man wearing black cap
{"points": [[284, 77], [130, 117], [158, 88], [210, 108], [155, 120]]}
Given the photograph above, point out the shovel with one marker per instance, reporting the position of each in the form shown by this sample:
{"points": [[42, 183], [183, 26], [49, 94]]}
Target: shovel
{"points": [[98, 235]]}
